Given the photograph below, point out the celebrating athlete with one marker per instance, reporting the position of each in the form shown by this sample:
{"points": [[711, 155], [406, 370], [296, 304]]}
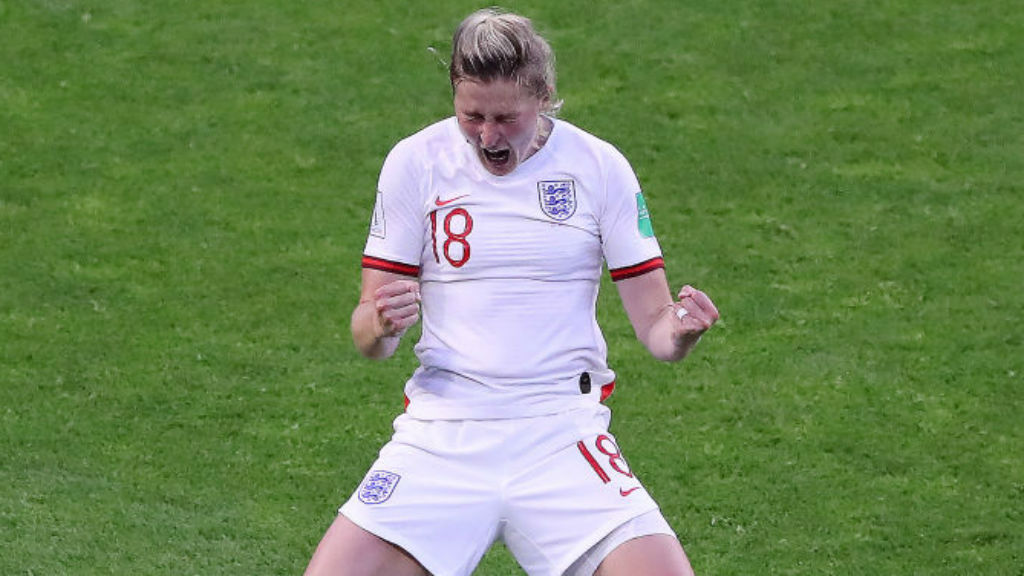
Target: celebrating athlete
{"points": [[493, 227]]}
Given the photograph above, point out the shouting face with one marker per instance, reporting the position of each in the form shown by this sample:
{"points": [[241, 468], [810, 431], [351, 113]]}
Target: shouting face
{"points": [[500, 119]]}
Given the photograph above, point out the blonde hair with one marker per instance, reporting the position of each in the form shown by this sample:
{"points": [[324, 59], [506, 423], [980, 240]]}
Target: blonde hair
{"points": [[492, 44]]}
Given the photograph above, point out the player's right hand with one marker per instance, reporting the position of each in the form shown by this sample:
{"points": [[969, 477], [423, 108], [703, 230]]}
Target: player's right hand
{"points": [[398, 307]]}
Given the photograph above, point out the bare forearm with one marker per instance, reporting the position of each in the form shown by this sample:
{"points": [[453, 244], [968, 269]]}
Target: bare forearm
{"points": [[664, 340], [388, 306], [368, 336], [668, 328]]}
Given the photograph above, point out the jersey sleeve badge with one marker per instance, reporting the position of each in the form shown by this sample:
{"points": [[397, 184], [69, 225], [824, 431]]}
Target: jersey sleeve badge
{"points": [[377, 227], [643, 217]]}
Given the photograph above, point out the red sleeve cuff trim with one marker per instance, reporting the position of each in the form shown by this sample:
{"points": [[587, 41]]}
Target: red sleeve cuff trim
{"points": [[389, 266], [637, 269]]}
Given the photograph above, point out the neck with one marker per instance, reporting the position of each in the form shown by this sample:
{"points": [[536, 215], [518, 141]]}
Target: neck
{"points": [[544, 126]]}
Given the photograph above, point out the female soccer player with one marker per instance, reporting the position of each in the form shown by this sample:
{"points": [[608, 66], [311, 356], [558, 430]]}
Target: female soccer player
{"points": [[495, 225]]}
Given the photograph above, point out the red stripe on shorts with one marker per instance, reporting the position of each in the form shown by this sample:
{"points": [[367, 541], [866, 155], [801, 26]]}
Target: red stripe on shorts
{"points": [[607, 390]]}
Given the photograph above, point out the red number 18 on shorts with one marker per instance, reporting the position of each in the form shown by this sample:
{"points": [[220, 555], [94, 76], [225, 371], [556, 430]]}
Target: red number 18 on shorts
{"points": [[606, 459]]}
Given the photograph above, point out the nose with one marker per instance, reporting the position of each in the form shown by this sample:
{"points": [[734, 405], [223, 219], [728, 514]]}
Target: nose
{"points": [[489, 134]]}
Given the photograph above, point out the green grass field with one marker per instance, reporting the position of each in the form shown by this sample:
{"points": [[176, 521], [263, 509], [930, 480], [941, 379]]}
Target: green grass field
{"points": [[185, 189]]}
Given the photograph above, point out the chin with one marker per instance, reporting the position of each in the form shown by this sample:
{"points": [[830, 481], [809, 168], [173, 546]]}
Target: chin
{"points": [[500, 170]]}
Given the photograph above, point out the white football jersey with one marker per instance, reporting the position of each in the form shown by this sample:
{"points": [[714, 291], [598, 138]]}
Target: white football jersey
{"points": [[509, 268]]}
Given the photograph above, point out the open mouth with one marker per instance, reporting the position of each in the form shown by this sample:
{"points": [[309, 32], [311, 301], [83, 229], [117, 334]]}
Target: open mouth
{"points": [[496, 156]]}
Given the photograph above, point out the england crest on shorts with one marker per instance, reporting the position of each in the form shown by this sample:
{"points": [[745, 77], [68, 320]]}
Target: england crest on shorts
{"points": [[378, 486], [557, 198]]}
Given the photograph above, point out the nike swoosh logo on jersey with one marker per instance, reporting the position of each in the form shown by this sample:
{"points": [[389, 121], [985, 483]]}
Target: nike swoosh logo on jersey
{"points": [[438, 202], [625, 493]]}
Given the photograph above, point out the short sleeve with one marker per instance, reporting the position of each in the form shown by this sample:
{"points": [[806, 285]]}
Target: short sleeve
{"points": [[627, 233], [395, 241]]}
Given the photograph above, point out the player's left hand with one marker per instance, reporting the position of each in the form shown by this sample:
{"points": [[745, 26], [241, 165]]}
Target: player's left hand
{"points": [[695, 312]]}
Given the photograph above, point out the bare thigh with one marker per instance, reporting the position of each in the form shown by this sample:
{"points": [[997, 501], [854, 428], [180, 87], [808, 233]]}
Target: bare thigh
{"points": [[652, 555], [348, 550]]}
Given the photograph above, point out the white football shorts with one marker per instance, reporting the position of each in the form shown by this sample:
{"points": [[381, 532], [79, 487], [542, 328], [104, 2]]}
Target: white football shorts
{"points": [[556, 489]]}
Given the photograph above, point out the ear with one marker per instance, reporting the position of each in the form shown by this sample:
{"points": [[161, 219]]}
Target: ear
{"points": [[545, 98]]}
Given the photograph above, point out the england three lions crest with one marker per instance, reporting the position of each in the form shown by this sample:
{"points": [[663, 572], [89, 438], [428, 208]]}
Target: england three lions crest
{"points": [[557, 198], [378, 486]]}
